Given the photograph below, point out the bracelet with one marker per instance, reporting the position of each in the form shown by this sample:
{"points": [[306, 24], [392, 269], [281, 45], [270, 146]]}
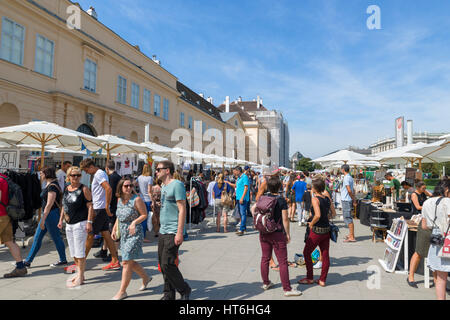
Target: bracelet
{"points": [[89, 222]]}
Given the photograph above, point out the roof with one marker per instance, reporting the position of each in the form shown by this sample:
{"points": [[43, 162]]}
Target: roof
{"points": [[236, 108], [227, 115], [197, 101]]}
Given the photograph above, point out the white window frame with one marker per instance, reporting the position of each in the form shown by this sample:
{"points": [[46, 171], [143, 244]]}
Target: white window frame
{"points": [[135, 92], [157, 105], [146, 100], [3, 53], [190, 122], [121, 89], [39, 66], [182, 119], [166, 109], [90, 75]]}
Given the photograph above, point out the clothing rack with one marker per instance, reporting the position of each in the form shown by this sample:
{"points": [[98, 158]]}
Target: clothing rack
{"points": [[193, 178]]}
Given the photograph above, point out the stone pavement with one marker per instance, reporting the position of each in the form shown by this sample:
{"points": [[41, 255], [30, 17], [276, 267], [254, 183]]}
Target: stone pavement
{"points": [[219, 266]]}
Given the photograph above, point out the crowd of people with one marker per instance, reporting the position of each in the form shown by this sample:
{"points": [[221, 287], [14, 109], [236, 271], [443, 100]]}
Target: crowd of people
{"points": [[117, 208]]}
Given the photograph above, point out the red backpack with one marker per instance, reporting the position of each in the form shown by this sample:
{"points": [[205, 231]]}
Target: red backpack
{"points": [[264, 218]]}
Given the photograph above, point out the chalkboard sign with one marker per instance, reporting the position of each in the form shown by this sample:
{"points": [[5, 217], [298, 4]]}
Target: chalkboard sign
{"points": [[9, 159], [410, 175]]}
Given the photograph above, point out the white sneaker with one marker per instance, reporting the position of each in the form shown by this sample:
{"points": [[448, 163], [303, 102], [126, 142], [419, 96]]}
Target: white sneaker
{"points": [[292, 293], [267, 286], [318, 265]]}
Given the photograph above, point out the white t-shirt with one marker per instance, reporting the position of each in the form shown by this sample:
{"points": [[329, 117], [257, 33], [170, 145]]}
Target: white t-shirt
{"points": [[143, 182], [98, 193], [441, 213], [61, 176], [211, 192]]}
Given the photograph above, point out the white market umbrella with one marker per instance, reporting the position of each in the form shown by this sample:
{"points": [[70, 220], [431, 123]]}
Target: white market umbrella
{"points": [[48, 134], [438, 151], [156, 149], [342, 155], [120, 145]]}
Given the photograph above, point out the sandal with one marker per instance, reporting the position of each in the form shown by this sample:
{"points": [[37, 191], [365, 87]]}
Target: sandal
{"points": [[275, 268], [348, 240], [305, 281], [292, 264], [319, 283]]}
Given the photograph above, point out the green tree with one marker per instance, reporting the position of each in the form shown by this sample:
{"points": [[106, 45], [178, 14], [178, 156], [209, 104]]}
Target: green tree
{"points": [[305, 164]]}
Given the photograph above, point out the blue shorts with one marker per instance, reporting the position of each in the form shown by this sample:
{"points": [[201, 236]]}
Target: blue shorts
{"points": [[347, 212]]}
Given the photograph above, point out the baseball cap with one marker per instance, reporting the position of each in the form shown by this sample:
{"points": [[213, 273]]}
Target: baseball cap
{"points": [[246, 167]]}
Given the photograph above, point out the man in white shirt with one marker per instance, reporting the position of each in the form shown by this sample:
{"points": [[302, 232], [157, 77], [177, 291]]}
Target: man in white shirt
{"points": [[101, 198], [61, 174]]}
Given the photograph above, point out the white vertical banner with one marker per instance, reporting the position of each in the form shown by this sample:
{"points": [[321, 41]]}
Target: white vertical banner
{"points": [[399, 131]]}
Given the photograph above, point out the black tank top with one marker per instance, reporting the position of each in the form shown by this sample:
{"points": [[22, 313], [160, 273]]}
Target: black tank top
{"points": [[421, 198], [74, 203], [324, 204]]}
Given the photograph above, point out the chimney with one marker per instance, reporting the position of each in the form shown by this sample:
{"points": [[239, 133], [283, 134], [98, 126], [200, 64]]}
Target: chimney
{"points": [[258, 102], [227, 104], [409, 132], [92, 13], [156, 61], [240, 99], [201, 95], [210, 100]]}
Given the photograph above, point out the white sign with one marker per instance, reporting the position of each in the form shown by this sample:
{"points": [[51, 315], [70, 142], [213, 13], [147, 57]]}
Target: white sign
{"points": [[9, 159], [399, 131]]}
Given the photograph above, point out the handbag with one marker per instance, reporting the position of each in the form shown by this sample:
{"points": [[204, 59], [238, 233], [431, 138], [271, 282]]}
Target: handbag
{"points": [[118, 230], [194, 199], [334, 230], [149, 221], [226, 199]]}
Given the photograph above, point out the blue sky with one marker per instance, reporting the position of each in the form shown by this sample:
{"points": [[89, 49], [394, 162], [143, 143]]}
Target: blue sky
{"points": [[336, 82]]}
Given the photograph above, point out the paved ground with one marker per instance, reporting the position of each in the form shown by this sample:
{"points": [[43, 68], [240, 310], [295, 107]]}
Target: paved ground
{"points": [[220, 266]]}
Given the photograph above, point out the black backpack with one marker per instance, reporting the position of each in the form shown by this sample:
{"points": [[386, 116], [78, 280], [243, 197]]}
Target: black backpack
{"points": [[15, 207]]}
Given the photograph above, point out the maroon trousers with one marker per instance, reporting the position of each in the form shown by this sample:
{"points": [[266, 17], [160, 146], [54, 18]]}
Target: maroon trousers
{"points": [[323, 241], [277, 242]]}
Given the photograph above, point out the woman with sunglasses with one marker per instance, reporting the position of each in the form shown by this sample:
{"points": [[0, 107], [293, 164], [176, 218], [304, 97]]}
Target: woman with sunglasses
{"points": [[77, 211], [131, 212]]}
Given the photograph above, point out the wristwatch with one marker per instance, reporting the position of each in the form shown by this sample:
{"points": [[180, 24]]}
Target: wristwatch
{"points": [[89, 222]]}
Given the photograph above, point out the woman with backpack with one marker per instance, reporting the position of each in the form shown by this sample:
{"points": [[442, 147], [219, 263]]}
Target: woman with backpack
{"points": [[276, 240], [51, 197], [220, 188], [78, 212], [319, 234]]}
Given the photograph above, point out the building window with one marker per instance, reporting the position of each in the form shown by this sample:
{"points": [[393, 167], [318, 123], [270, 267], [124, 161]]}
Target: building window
{"points": [[182, 119], [203, 127], [236, 123], [122, 90], [190, 123], [135, 95], [157, 105], [166, 109], [146, 101], [90, 75], [13, 38], [44, 55]]}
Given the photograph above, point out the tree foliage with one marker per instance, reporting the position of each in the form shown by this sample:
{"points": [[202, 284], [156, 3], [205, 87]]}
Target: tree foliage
{"points": [[305, 164]]}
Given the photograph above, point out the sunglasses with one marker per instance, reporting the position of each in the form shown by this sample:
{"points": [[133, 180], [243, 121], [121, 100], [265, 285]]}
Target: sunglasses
{"points": [[159, 169], [127, 185], [75, 175]]}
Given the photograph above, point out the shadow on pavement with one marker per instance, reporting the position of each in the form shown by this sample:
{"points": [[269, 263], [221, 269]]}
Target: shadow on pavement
{"points": [[348, 261]]}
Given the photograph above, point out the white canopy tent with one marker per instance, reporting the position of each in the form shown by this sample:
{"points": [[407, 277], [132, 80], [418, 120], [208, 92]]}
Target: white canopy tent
{"points": [[342, 155], [49, 134]]}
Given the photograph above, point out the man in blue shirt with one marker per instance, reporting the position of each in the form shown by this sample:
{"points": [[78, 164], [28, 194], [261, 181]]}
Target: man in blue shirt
{"points": [[299, 188], [242, 187], [348, 199]]}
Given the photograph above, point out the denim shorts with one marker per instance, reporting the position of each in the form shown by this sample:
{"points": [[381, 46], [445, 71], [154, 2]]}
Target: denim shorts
{"points": [[347, 212]]}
